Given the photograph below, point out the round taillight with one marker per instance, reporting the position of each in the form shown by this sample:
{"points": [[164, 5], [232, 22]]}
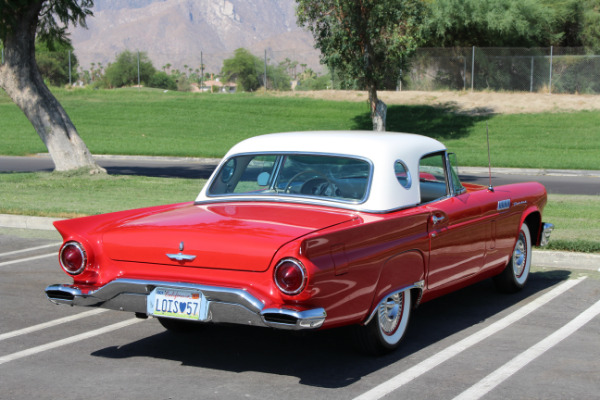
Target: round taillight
{"points": [[290, 276], [73, 258]]}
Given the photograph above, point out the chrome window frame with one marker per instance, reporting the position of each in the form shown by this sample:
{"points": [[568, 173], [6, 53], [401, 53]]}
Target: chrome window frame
{"points": [[449, 191], [450, 176]]}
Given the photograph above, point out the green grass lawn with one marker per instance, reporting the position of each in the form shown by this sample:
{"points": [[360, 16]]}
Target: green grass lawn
{"points": [[576, 220], [64, 195], [68, 195], [152, 122]]}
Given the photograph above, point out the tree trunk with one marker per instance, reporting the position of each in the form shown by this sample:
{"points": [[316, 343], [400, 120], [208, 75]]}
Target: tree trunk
{"points": [[378, 110], [22, 81]]}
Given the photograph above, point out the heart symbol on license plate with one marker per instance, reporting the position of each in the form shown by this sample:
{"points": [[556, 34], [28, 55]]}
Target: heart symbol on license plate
{"points": [[182, 307]]}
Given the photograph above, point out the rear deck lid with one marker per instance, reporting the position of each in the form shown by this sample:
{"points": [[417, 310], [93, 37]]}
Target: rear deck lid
{"points": [[233, 236]]}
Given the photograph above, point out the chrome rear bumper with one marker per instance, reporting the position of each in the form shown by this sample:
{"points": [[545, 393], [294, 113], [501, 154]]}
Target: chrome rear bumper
{"points": [[225, 305]]}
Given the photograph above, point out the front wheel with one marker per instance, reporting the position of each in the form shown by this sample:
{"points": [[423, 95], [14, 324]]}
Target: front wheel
{"points": [[387, 328], [516, 272]]}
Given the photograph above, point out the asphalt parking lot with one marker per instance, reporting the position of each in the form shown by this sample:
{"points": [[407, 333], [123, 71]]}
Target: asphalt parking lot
{"points": [[541, 343]]}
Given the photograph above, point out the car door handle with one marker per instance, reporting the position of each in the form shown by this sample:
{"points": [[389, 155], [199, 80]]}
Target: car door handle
{"points": [[437, 219]]}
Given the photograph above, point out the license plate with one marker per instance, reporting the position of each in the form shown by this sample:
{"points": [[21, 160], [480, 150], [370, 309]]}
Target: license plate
{"points": [[176, 303]]}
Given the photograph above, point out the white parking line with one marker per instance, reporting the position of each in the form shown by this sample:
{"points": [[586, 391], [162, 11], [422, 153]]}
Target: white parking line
{"points": [[10, 253], [20, 260], [507, 370], [52, 323], [428, 364], [69, 340]]}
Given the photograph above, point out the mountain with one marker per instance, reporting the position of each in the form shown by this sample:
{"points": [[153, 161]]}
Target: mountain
{"points": [[176, 32]]}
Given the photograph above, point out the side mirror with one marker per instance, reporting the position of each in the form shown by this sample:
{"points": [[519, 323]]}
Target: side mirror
{"points": [[263, 179]]}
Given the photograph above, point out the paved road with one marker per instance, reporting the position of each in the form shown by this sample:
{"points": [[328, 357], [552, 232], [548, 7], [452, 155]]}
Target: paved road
{"points": [[555, 184], [540, 343], [196, 168], [157, 167]]}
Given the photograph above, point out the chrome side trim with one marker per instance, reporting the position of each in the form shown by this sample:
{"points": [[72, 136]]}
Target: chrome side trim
{"points": [[547, 229], [226, 305], [416, 285], [503, 205]]}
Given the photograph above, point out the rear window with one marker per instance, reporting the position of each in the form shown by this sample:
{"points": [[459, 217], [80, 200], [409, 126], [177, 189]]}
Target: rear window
{"points": [[298, 175]]}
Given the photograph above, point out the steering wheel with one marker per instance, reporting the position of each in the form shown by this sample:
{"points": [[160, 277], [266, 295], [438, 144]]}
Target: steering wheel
{"points": [[319, 175], [319, 186]]}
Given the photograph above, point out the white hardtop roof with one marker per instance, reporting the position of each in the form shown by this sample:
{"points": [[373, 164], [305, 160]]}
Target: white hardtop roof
{"points": [[383, 149], [367, 144]]}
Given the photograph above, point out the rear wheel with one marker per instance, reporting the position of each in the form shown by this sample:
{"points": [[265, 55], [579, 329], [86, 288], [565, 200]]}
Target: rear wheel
{"points": [[516, 273], [387, 328]]}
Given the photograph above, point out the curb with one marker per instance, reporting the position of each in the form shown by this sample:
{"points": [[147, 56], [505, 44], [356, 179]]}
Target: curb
{"points": [[199, 160], [27, 222], [542, 258], [564, 259]]}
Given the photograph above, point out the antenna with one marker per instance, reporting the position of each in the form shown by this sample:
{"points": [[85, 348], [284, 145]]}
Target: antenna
{"points": [[487, 132]]}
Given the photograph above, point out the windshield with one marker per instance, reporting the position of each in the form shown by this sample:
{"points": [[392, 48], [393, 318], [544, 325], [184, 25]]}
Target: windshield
{"points": [[308, 175]]}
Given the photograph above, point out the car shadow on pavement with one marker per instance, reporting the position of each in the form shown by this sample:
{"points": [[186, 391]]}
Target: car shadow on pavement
{"points": [[326, 358]]}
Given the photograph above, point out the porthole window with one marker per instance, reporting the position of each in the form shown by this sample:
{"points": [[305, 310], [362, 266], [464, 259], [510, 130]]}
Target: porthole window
{"points": [[228, 170], [402, 174]]}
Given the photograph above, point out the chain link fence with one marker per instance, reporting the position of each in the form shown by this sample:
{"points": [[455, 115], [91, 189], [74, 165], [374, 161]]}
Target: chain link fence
{"points": [[543, 70]]}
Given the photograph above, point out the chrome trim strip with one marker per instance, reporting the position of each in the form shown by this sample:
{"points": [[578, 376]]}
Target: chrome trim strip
{"points": [[291, 200], [224, 304], [416, 285]]}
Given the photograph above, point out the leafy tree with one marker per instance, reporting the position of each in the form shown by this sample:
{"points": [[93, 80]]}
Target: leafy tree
{"points": [[162, 81], [490, 23], [54, 65], [277, 78], [590, 30], [245, 69], [568, 15], [124, 71], [364, 39], [20, 21], [309, 80], [579, 21], [183, 83], [590, 34]]}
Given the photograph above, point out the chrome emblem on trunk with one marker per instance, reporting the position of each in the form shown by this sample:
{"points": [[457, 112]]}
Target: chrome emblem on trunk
{"points": [[180, 256]]}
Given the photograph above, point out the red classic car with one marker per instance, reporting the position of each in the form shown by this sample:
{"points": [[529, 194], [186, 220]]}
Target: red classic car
{"points": [[308, 230]]}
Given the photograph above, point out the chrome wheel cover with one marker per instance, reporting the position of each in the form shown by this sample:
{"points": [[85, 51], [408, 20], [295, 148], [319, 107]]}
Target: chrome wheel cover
{"points": [[519, 258], [390, 313]]}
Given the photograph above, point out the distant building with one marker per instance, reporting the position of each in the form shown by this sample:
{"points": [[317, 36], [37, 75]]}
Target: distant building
{"points": [[218, 86]]}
